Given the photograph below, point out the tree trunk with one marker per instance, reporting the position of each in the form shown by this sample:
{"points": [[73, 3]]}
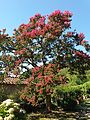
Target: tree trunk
{"points": [[48, 103]]}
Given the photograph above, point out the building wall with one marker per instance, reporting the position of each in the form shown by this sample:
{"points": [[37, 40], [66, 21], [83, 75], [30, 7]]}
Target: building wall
{"points": [[9, 90]]}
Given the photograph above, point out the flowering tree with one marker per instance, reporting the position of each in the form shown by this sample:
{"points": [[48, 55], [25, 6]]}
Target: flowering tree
{"points": [[47, 45], [46, 39]]}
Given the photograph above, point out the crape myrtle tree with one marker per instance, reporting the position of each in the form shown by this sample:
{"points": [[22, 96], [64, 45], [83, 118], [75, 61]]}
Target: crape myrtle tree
{"points": [[47, 44]]}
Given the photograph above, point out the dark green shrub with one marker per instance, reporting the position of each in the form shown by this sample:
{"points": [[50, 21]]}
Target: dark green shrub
{"points": [[68, 97], [71, 99]]}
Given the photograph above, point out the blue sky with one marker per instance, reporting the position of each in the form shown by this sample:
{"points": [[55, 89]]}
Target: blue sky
{"points": [[15, 12]]}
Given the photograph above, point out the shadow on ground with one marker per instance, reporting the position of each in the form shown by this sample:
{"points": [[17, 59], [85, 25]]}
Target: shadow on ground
{"points": [[83, 113]]}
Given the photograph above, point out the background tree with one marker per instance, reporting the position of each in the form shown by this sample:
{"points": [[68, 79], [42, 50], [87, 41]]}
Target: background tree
{"points": [[6, 53]]}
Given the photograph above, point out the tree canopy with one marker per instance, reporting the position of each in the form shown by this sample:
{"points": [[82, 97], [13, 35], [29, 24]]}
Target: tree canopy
{"points": [[46, 44]]}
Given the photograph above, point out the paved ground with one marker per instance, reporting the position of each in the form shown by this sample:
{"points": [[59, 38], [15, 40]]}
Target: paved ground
{"points": [[85, 112], [82, 114]]}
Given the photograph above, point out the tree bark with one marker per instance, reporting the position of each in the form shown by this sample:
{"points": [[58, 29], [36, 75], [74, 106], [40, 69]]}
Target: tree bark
{"points": [[48, 103]]}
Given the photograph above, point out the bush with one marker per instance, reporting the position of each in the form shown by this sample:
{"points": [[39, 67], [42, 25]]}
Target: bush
{"points": [[68, 97], [71, 99], [9, 110]]}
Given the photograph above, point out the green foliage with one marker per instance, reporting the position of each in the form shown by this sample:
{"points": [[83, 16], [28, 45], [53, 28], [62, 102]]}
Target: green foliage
{"points": [[72, 79], [88, 75], [68, 94], [71, 93], [25, 75]]}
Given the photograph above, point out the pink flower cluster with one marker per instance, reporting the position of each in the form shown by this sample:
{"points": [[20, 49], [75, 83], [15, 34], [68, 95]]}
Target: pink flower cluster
{"points": [[17, 62], [48, 27], [20, 52], [68, 13], [69, 34], [83, 42], [81, 36], [43, 80], [82, 54]]}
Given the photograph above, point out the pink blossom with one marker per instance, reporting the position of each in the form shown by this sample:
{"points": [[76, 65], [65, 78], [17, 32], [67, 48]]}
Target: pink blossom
{"points": [[55, 13], [38, 15], [33, 33], [83, 42], [67, 13], [69, 34], [81, 36], [67, 24]]}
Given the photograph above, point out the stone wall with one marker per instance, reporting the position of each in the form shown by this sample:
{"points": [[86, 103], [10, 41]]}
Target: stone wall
{"points": [[10, 90]]}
